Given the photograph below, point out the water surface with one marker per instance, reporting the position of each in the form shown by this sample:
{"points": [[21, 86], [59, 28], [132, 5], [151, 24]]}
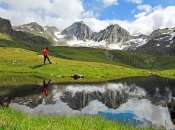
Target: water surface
{"points": [[138, 100]]}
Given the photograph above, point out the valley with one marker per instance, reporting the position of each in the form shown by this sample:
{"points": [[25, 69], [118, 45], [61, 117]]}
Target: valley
{"points": [[93, 63]]}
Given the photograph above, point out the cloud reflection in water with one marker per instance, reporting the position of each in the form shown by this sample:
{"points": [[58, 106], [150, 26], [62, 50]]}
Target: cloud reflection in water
{"points": [[112, 100]]}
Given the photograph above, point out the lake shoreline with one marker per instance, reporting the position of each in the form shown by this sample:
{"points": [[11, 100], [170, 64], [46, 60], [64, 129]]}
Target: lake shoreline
{"points": [[10, 77], [23, 91]]}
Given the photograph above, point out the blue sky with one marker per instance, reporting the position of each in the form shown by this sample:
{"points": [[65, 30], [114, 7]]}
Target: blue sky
{"points": [[124, 10], [135, 16]]}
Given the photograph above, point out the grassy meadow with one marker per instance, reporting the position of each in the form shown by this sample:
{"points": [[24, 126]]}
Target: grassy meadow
{"points": [[25, 57], [22, 61], [25, 61], [96, 67]]}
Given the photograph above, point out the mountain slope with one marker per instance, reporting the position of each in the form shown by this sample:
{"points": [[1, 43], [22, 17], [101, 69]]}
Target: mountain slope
{"points": [[80, 35], [50, 33], [5, 27], [21, 37], [114, 37], [113, 34], [160, 42], [79, 30]]}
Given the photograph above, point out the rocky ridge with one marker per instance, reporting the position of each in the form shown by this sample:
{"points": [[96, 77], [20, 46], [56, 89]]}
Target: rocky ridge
{"points": [[114, 37]]}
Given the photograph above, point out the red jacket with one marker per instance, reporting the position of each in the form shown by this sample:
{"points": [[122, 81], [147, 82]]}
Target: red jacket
{"points": [[44, 90], [45, 52]]}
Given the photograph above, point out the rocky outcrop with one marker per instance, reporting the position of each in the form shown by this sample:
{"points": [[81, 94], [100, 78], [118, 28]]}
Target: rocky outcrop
{"points": [[156, 34], [112, 34], [109, 56], [33, 26], [160, 42], [77, 30], [51, 30], [5, 27], [49, 33]]}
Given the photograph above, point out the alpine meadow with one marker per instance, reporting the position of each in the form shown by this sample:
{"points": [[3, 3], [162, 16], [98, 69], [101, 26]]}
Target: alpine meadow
{"points": [[21, 55]]}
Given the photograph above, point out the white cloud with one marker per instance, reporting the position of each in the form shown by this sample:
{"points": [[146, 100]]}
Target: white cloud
{"points": [[135, 1], [56, 13], [57, 7], [110, 2], [64, 13], [146, 8], [144, 23], [142, 14], [159, 17], [90, 14], [95, 24]]}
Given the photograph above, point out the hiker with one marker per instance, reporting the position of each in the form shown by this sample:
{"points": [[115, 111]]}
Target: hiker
{"points": [[45, 53], [44, 91]]}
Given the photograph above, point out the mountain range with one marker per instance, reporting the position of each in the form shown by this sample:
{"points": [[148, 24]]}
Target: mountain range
{"points": [[114, 37]]}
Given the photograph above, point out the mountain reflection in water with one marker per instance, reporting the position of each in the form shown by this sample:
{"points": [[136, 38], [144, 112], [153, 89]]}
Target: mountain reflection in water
{"points": [[139, 101]]}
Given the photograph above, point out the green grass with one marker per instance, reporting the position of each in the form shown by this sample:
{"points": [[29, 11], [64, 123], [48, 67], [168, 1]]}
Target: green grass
{"points": [[26, 62], [167, 73], [22, 61], [121, 58], [16, 120], [85, 54], [90, 62]]}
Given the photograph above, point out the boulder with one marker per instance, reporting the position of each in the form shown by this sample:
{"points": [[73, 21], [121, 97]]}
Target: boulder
{"points": [[77, 76]]}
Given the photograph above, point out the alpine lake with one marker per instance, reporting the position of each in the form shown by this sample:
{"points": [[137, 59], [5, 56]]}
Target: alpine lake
{"points": [[136, 100]]}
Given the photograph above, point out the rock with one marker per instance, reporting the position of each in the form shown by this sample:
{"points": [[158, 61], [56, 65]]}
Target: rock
{"points": [[77, 76]]}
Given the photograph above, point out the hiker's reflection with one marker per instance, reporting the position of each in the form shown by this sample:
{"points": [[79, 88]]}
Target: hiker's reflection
{"points": [[45, 87]]}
